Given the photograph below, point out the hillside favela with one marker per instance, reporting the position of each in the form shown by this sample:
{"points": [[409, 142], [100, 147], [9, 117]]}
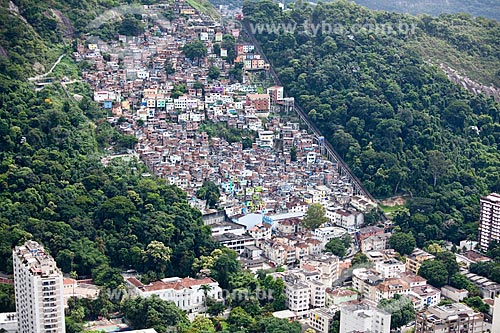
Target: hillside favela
{"points": [[255, 166]]}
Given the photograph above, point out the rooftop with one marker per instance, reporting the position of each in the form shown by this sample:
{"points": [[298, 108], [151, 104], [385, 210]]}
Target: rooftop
{"points": [[34, 258], [493, 197], [169, 283]]}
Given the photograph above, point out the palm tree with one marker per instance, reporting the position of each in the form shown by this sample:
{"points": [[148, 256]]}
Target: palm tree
{"points": [[206, 288]]}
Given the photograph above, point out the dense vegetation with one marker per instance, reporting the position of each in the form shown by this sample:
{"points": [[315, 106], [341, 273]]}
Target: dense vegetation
{"points": [[53, 186], [252, 299], [401, 309], [401, 125], [491, 270], [99, 216], [485, 8]]}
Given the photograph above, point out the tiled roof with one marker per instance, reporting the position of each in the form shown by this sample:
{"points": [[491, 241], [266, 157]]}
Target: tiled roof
{"points": [[184, 283]]}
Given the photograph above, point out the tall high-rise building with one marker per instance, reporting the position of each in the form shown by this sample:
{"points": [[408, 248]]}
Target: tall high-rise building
{"points": [[489, 220], [38, 287]]}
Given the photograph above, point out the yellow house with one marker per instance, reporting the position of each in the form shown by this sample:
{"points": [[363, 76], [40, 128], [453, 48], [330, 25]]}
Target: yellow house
{"points": [[188, 11]]}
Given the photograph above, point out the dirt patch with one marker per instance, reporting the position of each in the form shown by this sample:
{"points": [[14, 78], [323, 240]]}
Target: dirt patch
{"points": [[3, 52], [38, 67], [394, 201]]}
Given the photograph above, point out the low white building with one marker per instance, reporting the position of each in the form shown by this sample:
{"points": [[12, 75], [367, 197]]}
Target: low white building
{"points": [[220, 228], [326, 234], [390, 268], [335, 297], [425, 296], [187, 293], [234, 242], [456, 295], [363, 317]]}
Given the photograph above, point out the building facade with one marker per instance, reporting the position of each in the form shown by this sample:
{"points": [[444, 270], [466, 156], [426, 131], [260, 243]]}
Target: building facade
{"points": [[298, 295], [415, 260], [38, 287], [456, 317], [363, 317], [321, 319], [489, 220], [390, 268], [187, 293]]}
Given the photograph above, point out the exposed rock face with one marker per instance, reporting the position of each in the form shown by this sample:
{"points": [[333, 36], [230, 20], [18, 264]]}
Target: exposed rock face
{"points": [[469, 84], [64, 23]]}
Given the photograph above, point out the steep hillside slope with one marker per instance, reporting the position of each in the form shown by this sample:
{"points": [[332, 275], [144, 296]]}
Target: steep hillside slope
{"points": [[367, 81], [484, 8], [92, 218]]}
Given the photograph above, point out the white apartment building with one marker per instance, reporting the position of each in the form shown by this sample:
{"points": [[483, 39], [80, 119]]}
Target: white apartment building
{"points": [[321, 319], [365, 281], [349, 220], [326, 234], [38, 287], [327, 264], [187, 293], [261, 231], [318, 293], [183, 103], [424, 297], [363, 317], [495, 325], [489, 220], [234, 242], [298, 295], [390, 268]]}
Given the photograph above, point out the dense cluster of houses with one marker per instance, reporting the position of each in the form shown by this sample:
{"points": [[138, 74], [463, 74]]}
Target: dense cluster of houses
{"points": [[130, 78], [152, 91]]}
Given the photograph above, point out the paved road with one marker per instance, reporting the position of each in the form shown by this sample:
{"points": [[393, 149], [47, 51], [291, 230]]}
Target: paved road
{"points": [[41, 76]]}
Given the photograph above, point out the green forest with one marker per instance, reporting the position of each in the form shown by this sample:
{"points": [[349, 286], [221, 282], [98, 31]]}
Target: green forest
{"points": [[98, 219], [95, 220], [484, 8], [400, 124], [54, 188]]}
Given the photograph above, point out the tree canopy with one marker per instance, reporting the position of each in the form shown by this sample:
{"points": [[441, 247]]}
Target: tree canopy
{"points": [[400, 124], [404, 243], [195, 50], [315, 217], [434, 271], [401, 310]]}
